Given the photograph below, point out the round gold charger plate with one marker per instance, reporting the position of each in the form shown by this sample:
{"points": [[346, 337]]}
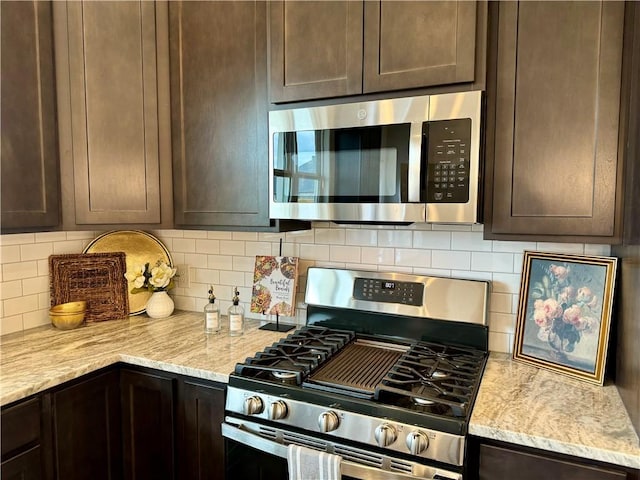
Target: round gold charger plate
{"points": [[140, 248]]}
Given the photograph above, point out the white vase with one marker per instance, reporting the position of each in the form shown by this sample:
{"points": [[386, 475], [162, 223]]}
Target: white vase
{"points": [[160, 305]]}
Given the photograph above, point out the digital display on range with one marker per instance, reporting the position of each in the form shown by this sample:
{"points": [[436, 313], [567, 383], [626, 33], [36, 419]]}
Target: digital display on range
{"points": [[388, 285]]}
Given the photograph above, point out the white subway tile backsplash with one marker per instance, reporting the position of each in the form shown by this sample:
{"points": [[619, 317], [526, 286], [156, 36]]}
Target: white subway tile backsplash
{"points": [[11, 324], [502, 322], [395, 238], [501, 302], [18, 271], [220, 262], [471, 241], [339, 253], [366, 238], [17, 239], [11, 289], [9, 253], [184, 245], [16, 306], [377, 256], [207, 246], [315, 252], [492, 262], [35, 251], [229, 247], [226, 259], [406, 257], [451, 260], [506, 282], [432, 240], [330, 236]]}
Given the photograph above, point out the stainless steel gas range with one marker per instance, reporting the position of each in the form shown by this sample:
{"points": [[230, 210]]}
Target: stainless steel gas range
{"points": [[385, 375]]}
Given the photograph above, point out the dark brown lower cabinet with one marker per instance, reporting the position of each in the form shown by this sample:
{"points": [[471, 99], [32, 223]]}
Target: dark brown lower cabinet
{"points": [[147, 424], [86, 428], [502, 461], [200, 415]]}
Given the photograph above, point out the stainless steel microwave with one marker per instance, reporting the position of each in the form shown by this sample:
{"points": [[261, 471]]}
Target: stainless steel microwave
{"points": [[401, 160]]}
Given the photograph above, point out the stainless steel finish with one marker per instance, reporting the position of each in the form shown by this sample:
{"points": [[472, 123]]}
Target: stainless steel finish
{"points": [[444, 298], [252, 405], [385, 435], [328, 421], [443, 447], [278, 410], [356, 463], [417, 442], [414, 110], [459, 105]]}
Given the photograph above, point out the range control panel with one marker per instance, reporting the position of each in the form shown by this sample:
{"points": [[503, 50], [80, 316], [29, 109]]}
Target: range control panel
{"points": [[448, 160], [388, 291]]}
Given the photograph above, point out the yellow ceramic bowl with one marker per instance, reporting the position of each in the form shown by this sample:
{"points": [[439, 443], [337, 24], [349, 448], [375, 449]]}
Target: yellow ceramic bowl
{"points": [[70, 307], [66, 321]]}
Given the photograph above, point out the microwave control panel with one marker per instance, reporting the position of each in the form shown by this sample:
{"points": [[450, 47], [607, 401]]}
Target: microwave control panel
{"points": [[388, 291], [448, 160]]}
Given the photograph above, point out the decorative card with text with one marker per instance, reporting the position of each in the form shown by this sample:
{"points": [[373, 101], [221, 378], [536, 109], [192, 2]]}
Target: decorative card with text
{"points": [[274, 285]]}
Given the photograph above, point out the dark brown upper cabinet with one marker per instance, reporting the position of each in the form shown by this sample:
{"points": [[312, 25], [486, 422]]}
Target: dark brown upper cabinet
{"points": [[114, 114], [219, 115], [556, 129], [331, 49], [30, 186]]}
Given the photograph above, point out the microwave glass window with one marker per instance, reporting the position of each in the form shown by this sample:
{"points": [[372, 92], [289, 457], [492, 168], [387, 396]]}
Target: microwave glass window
{"points": [[349, 165]]}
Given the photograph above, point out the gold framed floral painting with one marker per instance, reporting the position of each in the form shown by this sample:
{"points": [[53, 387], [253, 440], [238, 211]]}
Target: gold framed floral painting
{"points": [[564, 313]]}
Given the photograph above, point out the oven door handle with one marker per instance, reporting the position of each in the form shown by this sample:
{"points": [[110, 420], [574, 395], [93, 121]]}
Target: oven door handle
{"points": [[347, 468]]}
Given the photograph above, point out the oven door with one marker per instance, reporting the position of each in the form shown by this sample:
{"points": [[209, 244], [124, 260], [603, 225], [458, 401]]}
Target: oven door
{"points": [[259, 451]]}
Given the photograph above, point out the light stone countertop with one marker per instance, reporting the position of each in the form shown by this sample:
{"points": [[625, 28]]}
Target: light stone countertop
{"points": [[525, 405], [516, 403]]}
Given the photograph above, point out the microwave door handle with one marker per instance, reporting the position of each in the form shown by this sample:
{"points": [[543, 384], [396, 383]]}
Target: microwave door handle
{"points": [[350, 469], [415, 154]]}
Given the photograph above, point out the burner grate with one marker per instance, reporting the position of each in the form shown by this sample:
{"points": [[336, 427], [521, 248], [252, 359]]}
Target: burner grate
{"points": [[358, 368]]}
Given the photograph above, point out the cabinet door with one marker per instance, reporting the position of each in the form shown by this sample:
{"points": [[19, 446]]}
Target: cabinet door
{"points": [[86, 429], [316, 49], [418, 44], [200, 445], [110, 121], [557, 101], [147, 425], [219, 116], [497, 462], [25, 466], [30, 187]]}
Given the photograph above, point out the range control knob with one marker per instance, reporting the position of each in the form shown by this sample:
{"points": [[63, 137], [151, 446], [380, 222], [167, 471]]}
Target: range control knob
{"points": [[328, 421], [417, 442], [385, 435], [278, 410], [253, 405]]}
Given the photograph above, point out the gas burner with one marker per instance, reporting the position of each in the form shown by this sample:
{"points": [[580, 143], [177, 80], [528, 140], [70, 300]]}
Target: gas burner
{"points": [[286, 378]]}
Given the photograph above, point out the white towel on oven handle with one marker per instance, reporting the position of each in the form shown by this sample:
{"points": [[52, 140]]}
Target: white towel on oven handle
{"points": [[308, 464]]}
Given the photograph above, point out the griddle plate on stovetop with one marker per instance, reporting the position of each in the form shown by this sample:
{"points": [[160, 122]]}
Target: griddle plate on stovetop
{"points": [[357, 368]]}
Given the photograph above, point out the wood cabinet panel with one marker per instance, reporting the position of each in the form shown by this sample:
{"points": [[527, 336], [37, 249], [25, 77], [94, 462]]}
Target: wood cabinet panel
{"points": [[219, 115], [200, 443], [30, 186], [316, 49], [418, 44], [557, 103], [497, 462], [86, 429], [148, 425], [25, 466], [110, 85]]}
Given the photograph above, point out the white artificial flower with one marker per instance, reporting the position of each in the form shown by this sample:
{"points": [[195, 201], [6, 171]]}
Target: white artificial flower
{"points": [[136, 276], [161, 275]]}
